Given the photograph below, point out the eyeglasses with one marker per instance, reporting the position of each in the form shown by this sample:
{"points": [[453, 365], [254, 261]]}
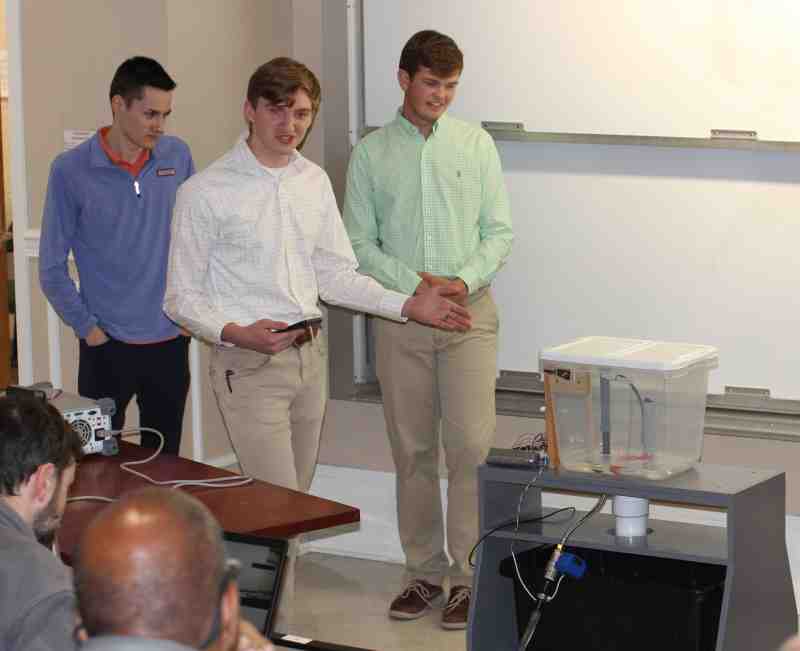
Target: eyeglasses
{"points": [[231, 573]]}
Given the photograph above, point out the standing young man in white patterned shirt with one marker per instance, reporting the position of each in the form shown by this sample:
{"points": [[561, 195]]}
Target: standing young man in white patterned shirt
{"points": [[257, 241]]}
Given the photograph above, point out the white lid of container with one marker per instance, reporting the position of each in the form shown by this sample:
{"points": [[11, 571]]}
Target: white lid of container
{"points": [[629, 353]]}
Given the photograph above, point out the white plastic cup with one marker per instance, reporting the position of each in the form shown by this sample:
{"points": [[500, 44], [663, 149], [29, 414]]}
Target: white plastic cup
{"points": [[631, 516]]}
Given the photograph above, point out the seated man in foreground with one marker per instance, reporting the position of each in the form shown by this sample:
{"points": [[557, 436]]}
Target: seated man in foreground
{"points": [[151, 574], [38, 456]]}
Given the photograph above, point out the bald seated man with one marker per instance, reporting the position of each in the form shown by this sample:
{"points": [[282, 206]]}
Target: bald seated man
{"points": [[151, 575], [792, 644]]}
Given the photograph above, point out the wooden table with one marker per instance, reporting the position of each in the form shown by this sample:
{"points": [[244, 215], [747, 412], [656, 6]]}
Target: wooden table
{"points": [[258, 509]]}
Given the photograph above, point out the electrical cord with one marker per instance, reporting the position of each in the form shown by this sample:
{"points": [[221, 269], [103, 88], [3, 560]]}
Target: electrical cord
{"points": [[219, 482], [523, 494], [595, 509], [558, 585], [635, 389], [551, 576], [508, 523], [519, 574]]}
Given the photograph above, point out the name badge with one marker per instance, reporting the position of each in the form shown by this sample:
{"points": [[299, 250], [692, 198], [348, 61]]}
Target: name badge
{"points": [[166, 171]]}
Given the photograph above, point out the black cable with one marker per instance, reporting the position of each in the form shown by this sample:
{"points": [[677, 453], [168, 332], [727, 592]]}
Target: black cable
{"points": [[513, 522], [530, 629], [595, 509], [551, 577]]}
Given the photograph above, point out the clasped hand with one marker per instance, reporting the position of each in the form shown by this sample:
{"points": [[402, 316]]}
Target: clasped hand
{"points": [[453, 288], [431, 305]]}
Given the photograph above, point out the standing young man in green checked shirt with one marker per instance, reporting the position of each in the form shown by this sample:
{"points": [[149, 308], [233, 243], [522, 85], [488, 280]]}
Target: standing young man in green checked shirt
{"points": [[426, 205]]}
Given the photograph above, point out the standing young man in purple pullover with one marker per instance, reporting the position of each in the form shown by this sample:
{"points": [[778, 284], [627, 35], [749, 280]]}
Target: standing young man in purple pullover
{"points": [[109, 202]]}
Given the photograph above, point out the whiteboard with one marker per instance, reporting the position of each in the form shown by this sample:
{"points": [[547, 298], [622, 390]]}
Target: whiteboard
{"points": [[700, 246], [632, 67], [693, 245]]}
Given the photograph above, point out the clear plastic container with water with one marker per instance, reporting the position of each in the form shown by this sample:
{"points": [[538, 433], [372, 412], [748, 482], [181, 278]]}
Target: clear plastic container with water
{"points": [[628, 406]]}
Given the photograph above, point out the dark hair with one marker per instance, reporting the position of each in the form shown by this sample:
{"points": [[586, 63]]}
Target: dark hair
{"points": [[431, 50], [136, 73], [32, 433], [172, 596], [277, 80]]}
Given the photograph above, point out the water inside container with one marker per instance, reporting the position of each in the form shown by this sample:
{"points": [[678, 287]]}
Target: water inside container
{"points": [[620, 462]]}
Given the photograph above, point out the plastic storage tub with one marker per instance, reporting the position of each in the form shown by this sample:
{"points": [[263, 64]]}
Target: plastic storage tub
{"points": [[628, 406]]}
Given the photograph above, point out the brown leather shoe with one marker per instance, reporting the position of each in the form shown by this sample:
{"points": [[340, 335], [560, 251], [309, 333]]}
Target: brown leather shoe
{"points": [[416, 600], [455, 612]]}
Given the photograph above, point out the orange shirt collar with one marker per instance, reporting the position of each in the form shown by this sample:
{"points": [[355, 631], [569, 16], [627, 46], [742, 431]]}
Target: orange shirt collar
{"points": [[135, 167]]}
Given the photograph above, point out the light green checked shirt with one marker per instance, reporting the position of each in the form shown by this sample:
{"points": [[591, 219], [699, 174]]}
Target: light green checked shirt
{"points": [[438, 205]]}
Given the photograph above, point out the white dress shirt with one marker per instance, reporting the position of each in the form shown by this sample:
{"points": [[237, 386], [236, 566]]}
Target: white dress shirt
{"points": [[251, 242]]}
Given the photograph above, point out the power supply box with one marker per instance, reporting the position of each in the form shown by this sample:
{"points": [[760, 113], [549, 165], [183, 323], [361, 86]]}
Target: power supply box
{"points": [[91, 419]]}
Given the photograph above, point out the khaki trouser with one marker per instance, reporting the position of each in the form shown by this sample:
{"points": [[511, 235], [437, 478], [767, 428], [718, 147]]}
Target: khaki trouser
{"points": [[438, 382], [273, 407]]}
